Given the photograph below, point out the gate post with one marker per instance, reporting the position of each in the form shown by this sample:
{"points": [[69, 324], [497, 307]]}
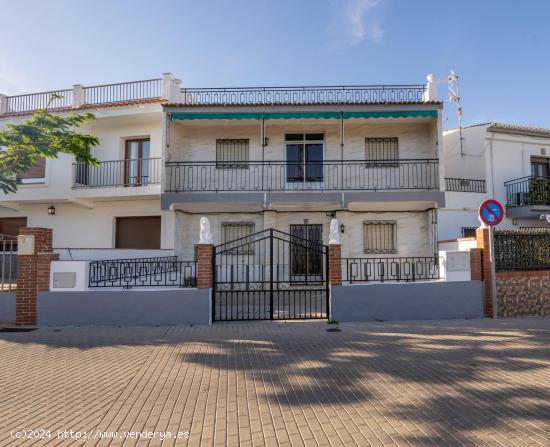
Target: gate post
{"points": [[334, 264], [34, 257], [205, 256], [483, 242]]}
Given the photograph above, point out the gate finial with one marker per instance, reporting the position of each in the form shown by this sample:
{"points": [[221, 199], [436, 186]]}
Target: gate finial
{"points": [[205, 235], [334, 235]]}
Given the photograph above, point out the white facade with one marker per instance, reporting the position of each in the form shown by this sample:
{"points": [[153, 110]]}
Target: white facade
{"points": [[494, 153]]}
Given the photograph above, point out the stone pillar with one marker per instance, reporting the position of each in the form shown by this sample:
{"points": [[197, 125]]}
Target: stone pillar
{"points": [[205, 265], [3, 104], [78, 96], [484, 243], [35, 254], [475, 264], [335, 264]]}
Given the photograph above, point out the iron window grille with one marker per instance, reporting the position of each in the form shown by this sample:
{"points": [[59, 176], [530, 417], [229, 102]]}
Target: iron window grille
{"points": [[232, 153], [468, 231], [380, 237], [381, 151], [238, 232]]}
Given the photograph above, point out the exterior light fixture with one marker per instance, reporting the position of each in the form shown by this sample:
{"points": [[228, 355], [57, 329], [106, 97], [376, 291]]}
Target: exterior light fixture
{"points": [[342, 228], [51, 210]]}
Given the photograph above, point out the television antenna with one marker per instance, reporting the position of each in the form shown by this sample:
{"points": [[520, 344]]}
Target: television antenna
{"points": [[454, 97]]}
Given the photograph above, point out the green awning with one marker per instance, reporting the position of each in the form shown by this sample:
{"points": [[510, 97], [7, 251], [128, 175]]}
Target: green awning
{"points": [[303, 115]]}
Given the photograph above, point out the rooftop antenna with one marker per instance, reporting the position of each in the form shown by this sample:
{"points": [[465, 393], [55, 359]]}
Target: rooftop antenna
{"points": [[454, 96]]}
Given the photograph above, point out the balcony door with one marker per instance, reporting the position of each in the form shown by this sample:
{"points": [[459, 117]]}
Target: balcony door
{"points": [[304, 159], [540, 167], [136, 164]]}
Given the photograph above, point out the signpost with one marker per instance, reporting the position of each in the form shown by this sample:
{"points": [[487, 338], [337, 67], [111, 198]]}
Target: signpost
{"points": [[491, 213]]}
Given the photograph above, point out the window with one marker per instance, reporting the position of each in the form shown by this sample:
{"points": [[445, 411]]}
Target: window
{"points": [[379, 237], [468, 231], [304, 157], [35, 174], [238, 230], [232, 153], [136, 169], [540, 167], [381, 149], [138, 232]]}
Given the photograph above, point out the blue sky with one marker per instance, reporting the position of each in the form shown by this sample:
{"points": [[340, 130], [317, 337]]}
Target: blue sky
{"points": [[499, 48]]}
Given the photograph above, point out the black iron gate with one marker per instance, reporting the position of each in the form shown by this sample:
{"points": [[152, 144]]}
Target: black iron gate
{"points": [[270, 275]]}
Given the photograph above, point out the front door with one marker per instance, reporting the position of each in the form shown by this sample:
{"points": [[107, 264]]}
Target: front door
{"points": [[306, 261]]}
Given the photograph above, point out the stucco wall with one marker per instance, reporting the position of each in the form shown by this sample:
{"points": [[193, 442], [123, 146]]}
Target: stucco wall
{"points": [[437, 300], [124, 308], [523, 293], [7, 306]]}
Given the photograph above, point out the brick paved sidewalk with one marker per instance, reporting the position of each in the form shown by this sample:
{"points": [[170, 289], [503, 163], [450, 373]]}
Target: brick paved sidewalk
{"points": [[437, 383]]}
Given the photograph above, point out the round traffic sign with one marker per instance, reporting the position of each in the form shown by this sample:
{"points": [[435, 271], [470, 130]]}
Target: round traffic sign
{"points": [[491, 212]]}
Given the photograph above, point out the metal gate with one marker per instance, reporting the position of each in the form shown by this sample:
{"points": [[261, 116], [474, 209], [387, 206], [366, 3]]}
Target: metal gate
{"points": [[270, 275]]}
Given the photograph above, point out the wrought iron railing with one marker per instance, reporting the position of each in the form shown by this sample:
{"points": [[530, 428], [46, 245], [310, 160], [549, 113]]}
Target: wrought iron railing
{"points": [[8, 263], [352, 175], [529, 190], [464, 185], [142, 272], [124, 91], [96, 94], [134, 172], [413, 268], [303, 95], [522, 250]]}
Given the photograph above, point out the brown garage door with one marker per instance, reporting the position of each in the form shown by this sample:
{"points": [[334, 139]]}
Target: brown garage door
{"points": [[138, 232], [11, 225]]}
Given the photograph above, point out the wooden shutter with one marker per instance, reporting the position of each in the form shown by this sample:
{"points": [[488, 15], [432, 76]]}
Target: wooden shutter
{"points": [[10, 225], [36, 171], [138, 232]]}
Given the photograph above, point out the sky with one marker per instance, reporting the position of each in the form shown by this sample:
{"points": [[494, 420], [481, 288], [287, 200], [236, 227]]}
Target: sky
{"points": [[499, 48]]}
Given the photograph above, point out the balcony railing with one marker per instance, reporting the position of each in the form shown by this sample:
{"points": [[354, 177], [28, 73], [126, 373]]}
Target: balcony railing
{"points": [[464, 185], [97, 94], [527, 191], [135, 172], [347, 175], [303, 95], [413, 268]]}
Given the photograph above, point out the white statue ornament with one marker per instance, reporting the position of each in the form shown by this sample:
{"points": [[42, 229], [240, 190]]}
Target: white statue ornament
{"points": [[334, 235], [205, 235]]}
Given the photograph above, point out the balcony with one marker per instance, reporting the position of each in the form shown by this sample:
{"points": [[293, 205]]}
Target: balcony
{"points": [[528, 197], [465, 185], [117, 173], [357, 94], [283, 176]]}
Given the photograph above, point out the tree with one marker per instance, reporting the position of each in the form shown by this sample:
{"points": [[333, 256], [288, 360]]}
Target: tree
{"points": [[44, 135]]}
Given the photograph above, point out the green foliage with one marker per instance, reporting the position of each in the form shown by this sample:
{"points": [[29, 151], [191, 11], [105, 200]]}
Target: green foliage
{"points": [[539, 191], [44, 135]]}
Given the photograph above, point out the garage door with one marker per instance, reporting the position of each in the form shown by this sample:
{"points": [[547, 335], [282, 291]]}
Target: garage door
{"points": [[138, 232]]}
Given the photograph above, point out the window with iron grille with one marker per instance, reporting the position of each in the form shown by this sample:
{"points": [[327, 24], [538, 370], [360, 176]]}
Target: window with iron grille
{"points": [[238, 230], [232, 153], [380, 236], [381, 149], [468, 231]]}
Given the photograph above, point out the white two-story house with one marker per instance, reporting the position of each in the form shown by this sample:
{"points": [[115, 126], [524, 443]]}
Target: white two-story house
{"points": [[507, 162], [293, 158], [115, 205]]}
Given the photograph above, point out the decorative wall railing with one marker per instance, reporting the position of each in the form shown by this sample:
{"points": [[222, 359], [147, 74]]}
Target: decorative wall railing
{"points": [[464, 185], [8, 263], [351, 175], [142, 272], [303, 95], [522, 250], [528, 191], [134, 172], [97, 94], [390, 269]]}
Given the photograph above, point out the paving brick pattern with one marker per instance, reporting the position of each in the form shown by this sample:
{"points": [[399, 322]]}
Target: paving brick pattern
{"points": [[468, 383]]}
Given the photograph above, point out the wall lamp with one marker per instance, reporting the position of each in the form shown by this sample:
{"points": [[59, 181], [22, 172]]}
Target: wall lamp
{"points": [[342, 228], [51, 210]]}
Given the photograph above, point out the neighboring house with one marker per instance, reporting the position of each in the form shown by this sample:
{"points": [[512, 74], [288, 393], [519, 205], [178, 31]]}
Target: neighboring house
{"points": [[507, 162], [114, 205], [293, 158]]}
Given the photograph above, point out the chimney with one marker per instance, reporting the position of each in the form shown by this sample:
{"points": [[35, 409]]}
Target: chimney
{"points": [[431, 89]]}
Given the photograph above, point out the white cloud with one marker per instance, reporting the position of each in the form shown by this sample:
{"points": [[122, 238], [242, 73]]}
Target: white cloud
{"points": [[354, 21]]}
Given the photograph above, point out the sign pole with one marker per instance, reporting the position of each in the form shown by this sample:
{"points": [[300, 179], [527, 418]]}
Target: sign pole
{"points": [[493, 271]]}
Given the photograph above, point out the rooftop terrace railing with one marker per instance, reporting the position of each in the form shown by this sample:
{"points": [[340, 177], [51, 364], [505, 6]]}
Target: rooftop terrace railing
{"points": [[303, 95], [97, 94]]}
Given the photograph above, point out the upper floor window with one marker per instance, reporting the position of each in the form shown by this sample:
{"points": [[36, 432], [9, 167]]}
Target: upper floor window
{"points": [[35, 174], [381, 149], [137, 160], [232, 153], [304, 157], [380, 236], [540, 167]]}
